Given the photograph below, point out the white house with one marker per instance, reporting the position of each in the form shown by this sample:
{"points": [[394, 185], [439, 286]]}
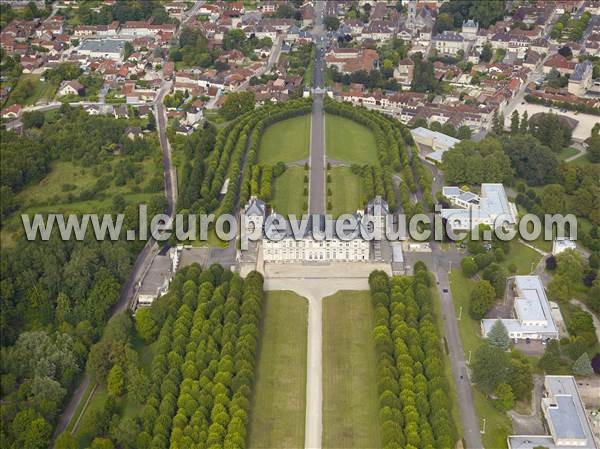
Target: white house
{"points": [[533, 318]]}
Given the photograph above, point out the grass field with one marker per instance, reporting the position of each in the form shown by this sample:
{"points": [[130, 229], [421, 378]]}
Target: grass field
{"points": [[48, 196], [523, 257], [350, 403], [349, 141], [29, 90], [582, 160], [566, 153], [287, 141], [279, 407], [288, 197], [346, 192]]}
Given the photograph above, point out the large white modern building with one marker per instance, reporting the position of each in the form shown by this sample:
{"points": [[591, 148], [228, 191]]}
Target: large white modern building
{"points": [[532, 314], [280, 245], [473, 210], [565, 418]]}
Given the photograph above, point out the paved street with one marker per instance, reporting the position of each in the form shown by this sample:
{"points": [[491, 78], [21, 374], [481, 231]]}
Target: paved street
{"points": [[456, 353], [316, 201]]}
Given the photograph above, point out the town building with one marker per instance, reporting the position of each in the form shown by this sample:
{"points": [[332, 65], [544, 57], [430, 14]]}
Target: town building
{"points": [[157, 279], [565, 419], [533, 317], [473, 210], [581, 79], [448, 43]]}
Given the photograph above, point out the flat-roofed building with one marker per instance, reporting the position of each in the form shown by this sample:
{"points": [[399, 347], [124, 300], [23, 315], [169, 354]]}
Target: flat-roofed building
{"points": [[102, 48], [565, 418], [438, 142], [533, 317], [562, 244], [490, 206]]}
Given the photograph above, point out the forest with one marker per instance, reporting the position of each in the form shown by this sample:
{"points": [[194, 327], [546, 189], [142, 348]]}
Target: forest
{"points": [[56, 295]]}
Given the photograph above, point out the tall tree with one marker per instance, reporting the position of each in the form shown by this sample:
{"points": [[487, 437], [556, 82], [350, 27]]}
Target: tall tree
{"points": [[498, 336], [514, 122], [583, 366]]}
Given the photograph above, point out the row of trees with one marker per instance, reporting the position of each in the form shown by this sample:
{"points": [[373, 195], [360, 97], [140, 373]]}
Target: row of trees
{"points": [[203, 370], [414, 403]]}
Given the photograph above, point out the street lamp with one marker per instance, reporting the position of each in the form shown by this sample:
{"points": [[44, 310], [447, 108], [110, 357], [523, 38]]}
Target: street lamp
{"points": [[460, 313], [469, 359], [483, 430]]}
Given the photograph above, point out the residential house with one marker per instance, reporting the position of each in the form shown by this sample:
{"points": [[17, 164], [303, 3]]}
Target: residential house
{"points": [[72, 87]]}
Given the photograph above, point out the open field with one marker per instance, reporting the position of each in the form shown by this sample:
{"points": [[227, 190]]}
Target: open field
{"points": [[288, 197], [29, 90], [349, 141], [58, 192], [523, 257], [350, 403], [582, 160], [278, 410], [346, 192], [566, 153], [285, 141]]}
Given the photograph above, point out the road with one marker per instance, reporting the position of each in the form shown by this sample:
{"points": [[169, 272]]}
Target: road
{"points": [[470, 422], [316, 200], [168, 170], [441, 264]]}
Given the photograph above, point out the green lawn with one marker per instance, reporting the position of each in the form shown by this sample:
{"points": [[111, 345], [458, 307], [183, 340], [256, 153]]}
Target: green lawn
{"points": [[523, 257], [498, 425], [288, 197], [583, 160], [51, 196], [468, 328], [287, 141], [279, 406], [349, 141], [350, 403], [566, 153], [346, 192], [29, 90]]}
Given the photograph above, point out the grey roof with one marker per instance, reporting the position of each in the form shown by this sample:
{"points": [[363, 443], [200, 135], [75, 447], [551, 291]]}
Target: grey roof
{"points": [[565, 418], [448, 36], [316, 228], [377, 207], [255, 207], [103, 45], [580, 70]]}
